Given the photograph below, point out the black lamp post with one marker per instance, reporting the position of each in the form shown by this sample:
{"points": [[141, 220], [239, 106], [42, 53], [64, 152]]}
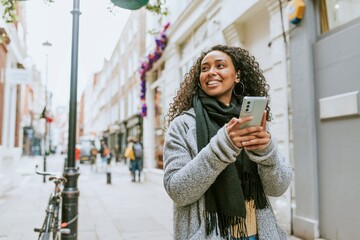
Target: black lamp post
{"points": [[46, 45], [70, 191]]}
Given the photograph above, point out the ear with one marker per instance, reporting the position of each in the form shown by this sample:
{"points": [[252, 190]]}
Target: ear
{"points": [[238, 75]]}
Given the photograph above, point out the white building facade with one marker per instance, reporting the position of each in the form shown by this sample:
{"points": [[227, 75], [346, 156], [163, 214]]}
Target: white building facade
{"points": [[197, 26], [115, 104], [112, 103], [21, 94]]}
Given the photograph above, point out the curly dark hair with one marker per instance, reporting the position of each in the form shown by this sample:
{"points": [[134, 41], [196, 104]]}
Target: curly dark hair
{"points": [[251, 76]]}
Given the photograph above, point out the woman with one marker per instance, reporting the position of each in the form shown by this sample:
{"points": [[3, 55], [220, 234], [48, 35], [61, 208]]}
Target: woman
{"points": [[218, 175]]}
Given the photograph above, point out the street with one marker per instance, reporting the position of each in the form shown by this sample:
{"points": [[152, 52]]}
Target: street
{"points": [[121, 210]]}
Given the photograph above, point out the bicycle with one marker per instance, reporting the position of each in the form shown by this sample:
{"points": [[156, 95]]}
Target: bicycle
{"points": [[52, 227]]}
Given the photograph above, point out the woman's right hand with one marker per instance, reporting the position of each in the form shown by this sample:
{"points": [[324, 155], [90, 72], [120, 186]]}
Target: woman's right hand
{"points": [[238, 135]]}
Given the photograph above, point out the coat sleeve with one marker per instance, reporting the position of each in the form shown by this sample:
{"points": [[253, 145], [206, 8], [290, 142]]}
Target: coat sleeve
{"points": [[187, 173], [274, 170]]}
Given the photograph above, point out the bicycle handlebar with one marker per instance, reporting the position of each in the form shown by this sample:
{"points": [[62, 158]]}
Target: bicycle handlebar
{"points": [[44, 173], [62, 179], [53, 176]]}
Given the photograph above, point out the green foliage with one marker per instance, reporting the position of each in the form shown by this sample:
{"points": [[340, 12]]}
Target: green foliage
{"points": [[9, 13], [158, 8]]}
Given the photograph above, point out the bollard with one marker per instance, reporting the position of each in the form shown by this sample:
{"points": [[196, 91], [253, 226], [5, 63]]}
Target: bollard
{"points": [[108, 177], [108, 171]]}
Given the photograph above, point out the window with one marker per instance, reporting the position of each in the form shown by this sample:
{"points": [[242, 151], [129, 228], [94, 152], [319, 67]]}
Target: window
{"points": [[334, 13], [135, 63], [135, 100], [200, 34], [114, 113], [122, 77], [122, 109], [159, 127]]}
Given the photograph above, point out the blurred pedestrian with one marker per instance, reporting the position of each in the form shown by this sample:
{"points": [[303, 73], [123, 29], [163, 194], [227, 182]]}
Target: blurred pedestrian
{"points": [[217, 174], [93, 154], [129, 154], [117, 153], [109, 155], [104, 152], [77, 155], [136, 164]]}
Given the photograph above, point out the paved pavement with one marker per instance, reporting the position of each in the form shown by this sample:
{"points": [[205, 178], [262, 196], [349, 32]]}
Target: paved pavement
{"points": [[121, 210]]}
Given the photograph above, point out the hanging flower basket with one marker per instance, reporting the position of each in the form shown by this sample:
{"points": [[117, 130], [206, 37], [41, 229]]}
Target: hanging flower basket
{"points": [[147, 63]]}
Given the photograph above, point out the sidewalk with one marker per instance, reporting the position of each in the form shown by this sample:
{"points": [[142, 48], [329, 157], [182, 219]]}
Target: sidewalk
{"points": [[122, 210]]}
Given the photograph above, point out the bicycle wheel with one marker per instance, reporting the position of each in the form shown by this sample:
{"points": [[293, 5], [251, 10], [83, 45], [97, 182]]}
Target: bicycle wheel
{"points": [[42, 229], [49, 229], [45, 235]]}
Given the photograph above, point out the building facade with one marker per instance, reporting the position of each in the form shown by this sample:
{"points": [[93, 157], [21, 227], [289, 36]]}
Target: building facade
{"points": [[325, 100], [198, 25], [112, 96], [311, 67], [20, 91]]}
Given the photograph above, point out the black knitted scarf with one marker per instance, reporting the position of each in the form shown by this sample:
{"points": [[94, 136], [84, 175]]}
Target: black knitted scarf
{"points": [[239, 181]]}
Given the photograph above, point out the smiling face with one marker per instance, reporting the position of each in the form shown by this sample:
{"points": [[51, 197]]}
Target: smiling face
{"points": [[218, 76]]}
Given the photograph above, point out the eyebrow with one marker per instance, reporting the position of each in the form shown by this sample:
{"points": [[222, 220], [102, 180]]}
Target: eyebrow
{"points": [[217, 60]]}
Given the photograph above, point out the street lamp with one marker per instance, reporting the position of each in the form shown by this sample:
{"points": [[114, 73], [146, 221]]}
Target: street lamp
{"points": [[70, 192], [46, 45]]}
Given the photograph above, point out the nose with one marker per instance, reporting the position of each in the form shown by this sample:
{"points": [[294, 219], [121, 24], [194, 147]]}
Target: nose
{"points": [[212, 71]]}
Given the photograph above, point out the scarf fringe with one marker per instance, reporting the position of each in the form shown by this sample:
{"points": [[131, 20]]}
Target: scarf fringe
{"points": [[253, 190], [227, 226]]}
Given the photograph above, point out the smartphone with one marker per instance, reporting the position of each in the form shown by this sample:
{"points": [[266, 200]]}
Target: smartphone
{"points": [[253, 106]]}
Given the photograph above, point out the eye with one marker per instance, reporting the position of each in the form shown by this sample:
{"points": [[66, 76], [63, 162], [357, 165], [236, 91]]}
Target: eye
{"points": [[204, 68], [220, 65]]}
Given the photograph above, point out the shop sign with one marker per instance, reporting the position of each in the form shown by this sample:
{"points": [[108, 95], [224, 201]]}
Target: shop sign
{"points": [[18, 76]]}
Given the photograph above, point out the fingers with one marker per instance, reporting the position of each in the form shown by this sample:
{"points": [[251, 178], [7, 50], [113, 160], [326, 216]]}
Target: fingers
{"points": [[238, 135], [231, 124], [250, 138], [235, 131], [263, 121], [232, 121], [261, 140], [256, 142], [245, 119]]}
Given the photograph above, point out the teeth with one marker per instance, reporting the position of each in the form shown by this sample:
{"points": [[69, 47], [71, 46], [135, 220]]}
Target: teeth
{"points": [[212, 82]]}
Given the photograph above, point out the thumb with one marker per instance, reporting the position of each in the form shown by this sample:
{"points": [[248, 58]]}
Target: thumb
{"points": [[232, 122]]}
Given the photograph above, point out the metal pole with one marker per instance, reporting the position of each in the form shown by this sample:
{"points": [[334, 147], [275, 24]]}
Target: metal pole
{"points": [[70, 191], [46, 125], [46, 44]]}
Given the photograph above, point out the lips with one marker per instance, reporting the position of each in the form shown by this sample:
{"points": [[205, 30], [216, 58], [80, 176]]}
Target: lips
{"points": [[212, 82]]}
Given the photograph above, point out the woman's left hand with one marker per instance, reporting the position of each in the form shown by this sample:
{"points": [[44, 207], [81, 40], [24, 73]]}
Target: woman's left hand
{"points": [[262, 138]]}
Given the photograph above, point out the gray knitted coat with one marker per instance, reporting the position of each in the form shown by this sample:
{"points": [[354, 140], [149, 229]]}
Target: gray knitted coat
{"points": [[189, 173]]}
